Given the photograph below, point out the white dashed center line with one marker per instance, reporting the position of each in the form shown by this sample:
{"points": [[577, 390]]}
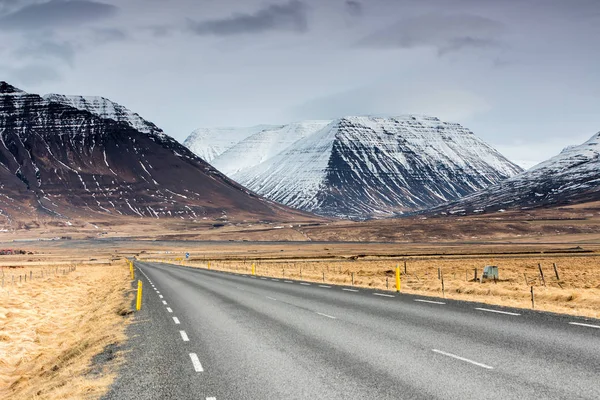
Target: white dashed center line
{"points": [[160, 296], [462, 359], [383, 295], [176, 320], [196, 362], [325, 286], [271, 298], [184, 336], [350, 290], [211, 398], [430, 301], [164, 302], [497, 311], [327, 316], [586, 325], [169, 310]]}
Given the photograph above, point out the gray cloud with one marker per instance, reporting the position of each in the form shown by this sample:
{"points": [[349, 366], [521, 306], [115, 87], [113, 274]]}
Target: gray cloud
{"points": [[159, 31], [7, 5], [31, 74], [106, 35], [446, 33], [285, 17], [56, 13], [354, 8], [64, 51]]}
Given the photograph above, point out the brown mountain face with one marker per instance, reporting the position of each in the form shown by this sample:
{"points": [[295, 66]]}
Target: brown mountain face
{"points": [[76, 157]]}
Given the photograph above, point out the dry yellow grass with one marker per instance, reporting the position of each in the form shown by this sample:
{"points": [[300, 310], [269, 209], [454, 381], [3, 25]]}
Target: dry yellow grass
{"points": [[576, 293], [52, 326]]}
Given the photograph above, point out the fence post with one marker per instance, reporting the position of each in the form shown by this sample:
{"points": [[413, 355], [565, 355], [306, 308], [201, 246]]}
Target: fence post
{"points": [[323, 276], [556, 271], [352, 278], [475, 275], [542, 274], [443, 289], [404, 267], [532, 303]]}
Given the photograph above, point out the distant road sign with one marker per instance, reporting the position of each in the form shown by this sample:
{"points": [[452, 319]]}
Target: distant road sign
{"points": [[187, 255]]}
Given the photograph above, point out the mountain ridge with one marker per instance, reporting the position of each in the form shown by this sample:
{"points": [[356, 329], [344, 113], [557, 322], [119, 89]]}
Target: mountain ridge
{"points": [[364, 166], [62, 161], [570, 177]]}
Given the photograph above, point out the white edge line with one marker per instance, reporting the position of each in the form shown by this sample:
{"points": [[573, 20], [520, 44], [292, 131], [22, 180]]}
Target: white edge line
{"points": [[305, 284], [196, 362], [325, 286], [462, 359], [383, 295], [429, 301], [176, 320], [276, 280], [586, 325], [288, 282], [497, 311], [350, 290], [271, 298], [184, 336], [325, 315]]}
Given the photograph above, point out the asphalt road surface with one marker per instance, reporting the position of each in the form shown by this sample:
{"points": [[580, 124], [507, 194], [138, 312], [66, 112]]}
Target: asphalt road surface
{"points": [[213, 335]]}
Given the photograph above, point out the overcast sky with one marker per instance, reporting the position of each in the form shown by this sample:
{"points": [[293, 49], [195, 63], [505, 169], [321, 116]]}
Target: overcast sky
{"points": [[522, 74]]}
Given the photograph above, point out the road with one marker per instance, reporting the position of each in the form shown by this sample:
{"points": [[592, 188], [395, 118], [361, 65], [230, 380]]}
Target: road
{"points": [[212, 335]]}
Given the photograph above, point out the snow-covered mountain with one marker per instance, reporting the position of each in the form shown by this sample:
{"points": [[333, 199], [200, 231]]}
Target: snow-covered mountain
{"points": [[264, 145], [209, 143], [74, 157], [360, 167], [571, 177]]}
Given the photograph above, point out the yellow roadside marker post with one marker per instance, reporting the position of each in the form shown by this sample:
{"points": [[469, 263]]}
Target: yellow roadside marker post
{"points": [[138, 304], [398, 278], [209, 265], [253, 269]]}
